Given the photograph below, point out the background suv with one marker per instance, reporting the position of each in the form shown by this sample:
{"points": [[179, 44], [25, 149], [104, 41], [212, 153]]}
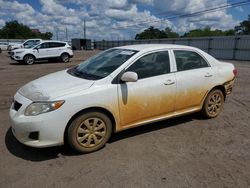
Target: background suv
{"points": [[45, 50], [26, 44]]}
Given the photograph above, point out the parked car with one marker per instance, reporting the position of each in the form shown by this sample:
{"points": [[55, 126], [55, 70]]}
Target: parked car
{"points": [[3, 45], [26, 44], [10, 44], [45, 50], [118, 89]]}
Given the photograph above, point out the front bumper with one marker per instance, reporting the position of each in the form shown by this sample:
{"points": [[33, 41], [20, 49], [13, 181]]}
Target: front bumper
{"points": [[48, 128], [15, 57]]}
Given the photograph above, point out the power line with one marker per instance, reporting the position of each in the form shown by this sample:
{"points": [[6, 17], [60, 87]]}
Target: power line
{"points": [[181, 9], [214, 9]]}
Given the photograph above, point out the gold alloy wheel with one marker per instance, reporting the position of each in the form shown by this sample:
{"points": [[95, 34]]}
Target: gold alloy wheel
{"points": [[91, 132], [215, 103]]}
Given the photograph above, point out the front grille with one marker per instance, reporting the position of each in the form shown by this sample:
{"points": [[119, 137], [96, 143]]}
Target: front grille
{"points": [[16, 105]]}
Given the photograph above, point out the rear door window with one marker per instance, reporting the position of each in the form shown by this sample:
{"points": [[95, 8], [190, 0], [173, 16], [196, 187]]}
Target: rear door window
{"points": [[56, 44], [188, 60]]}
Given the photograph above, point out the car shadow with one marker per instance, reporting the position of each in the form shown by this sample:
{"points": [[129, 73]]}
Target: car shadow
{"points": [[39, 62], [153, 127], [43, 154], [34, 154]]}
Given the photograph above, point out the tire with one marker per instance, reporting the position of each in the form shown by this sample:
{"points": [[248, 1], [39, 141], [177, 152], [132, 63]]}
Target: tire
{"points": [[29, 59], [89, 132], [213, 104], [65, 58]]}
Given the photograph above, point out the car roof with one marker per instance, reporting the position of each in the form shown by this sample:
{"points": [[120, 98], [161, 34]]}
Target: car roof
{"points": [[34, 39], [52, 41], [149, 47]]}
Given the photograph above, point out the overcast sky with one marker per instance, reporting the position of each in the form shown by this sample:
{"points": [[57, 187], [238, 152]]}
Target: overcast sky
{"points": [[118, 19]]}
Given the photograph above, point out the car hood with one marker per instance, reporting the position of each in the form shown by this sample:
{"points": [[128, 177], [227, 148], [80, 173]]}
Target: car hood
{"points": [[54, 85], [19, 50]]}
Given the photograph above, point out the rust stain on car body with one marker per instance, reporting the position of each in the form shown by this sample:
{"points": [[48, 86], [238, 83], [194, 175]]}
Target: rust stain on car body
{"points": [[138, 109]]}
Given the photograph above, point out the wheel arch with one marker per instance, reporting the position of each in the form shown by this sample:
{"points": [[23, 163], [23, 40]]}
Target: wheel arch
{"points": [[29, 54], [86, 110], [220, 87], [65, 53]]}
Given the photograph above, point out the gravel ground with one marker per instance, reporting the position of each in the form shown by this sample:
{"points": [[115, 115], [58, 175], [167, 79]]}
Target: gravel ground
{"points": [[181, 152]]}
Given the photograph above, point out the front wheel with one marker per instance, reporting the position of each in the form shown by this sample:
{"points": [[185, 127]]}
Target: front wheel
{"points": [[213, 104], [29, 59], [89, 132]]}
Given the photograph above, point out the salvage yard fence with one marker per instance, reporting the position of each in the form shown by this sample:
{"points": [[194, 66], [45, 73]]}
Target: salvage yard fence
{"points": [[222, 47]]}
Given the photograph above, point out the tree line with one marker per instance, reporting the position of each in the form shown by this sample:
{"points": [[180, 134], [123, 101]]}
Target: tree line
{"points": [[15, 30], [153, 33]]}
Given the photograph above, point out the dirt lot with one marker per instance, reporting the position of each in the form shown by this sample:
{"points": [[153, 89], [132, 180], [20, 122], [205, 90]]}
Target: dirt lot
{"points": [[182, 152]]}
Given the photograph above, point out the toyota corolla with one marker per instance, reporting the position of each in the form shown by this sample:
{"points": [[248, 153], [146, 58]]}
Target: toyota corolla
{"points": [[117, 89]]}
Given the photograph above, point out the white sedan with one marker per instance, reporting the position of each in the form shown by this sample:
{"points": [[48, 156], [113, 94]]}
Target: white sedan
{"points": [[120, 88]]}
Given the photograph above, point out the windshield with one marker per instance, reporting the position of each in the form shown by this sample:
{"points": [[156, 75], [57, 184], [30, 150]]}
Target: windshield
{"points": [[31, 43], [102, 64]]}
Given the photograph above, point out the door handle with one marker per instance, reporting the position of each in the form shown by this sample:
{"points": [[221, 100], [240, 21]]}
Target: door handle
{"points": [[208, 74], [169, 82]]}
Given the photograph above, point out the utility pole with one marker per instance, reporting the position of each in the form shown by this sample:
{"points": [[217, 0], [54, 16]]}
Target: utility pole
{"points": [[84, 29], [66, 32], [56, 34]]}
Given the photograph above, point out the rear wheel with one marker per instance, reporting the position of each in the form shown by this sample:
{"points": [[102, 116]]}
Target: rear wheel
{"points": [[29, 59], [89, 132], [213, 104], [65, 58]]}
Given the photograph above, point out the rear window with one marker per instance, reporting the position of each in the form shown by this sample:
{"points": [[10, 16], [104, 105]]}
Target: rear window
{"points": [[56, 44]]}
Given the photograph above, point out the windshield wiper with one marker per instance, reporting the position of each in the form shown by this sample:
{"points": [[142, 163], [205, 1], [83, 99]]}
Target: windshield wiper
{"points": [[85, 75]]}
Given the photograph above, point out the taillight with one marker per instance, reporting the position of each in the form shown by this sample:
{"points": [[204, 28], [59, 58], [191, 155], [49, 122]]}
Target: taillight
{"points": [[235, 71]]}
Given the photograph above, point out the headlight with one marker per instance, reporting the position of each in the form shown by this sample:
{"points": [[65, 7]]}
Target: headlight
{"points": [[19, 52], [37, 108]]}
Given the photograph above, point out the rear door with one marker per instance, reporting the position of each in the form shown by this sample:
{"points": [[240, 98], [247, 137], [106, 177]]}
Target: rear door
{"points": [[153, 95], [56, 48], [194, 79]]}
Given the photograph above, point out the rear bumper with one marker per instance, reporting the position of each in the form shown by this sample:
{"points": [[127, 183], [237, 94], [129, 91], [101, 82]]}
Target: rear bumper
{"points": [[229, 86]]}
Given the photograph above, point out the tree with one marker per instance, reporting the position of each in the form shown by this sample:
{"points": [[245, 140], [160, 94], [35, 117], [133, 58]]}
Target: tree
{"points": [[154, 33], [150, 33], [47, 35], [15, 30], [244, 27], [207, 32], [170, 34]]}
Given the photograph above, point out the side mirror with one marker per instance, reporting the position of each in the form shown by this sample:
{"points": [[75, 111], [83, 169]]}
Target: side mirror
{"points": [[129, 77]]}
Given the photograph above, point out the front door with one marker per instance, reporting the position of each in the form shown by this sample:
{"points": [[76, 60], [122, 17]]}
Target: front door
{"points": [[153, 95], [43, 51]]}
